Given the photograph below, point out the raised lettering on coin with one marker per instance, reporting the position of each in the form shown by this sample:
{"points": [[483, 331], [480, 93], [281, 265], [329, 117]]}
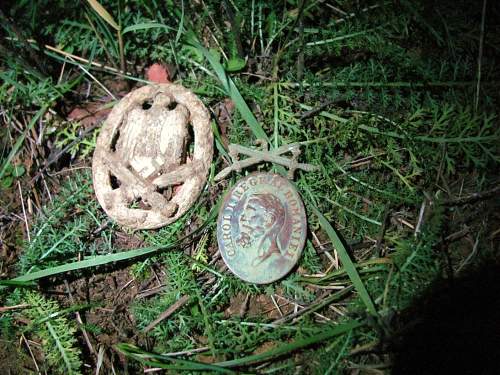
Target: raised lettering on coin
{"points": [[261, 228]]}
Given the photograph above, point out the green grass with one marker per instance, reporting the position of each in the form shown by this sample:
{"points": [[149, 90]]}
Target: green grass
{"points": [[394, 124]]}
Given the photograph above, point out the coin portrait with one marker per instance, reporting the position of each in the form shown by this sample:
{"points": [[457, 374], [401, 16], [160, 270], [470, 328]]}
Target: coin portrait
{"points": [[261, 228]]}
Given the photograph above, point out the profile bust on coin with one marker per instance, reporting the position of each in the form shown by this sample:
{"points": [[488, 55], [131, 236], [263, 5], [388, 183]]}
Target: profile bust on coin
{"points": [[261, 228]]}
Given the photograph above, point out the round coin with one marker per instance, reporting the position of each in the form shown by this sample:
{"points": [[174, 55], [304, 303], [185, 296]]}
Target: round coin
{"points": [[261, 228]]}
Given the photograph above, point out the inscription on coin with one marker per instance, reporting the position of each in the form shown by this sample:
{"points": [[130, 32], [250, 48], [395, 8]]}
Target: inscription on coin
{"points": [[261, 228]]}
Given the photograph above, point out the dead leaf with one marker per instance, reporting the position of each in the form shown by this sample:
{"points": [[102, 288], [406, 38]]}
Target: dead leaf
{"points": [[89, 115]]}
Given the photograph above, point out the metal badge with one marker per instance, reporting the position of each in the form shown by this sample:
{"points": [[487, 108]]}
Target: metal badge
{"points": [[261, 228], [144, 174]]}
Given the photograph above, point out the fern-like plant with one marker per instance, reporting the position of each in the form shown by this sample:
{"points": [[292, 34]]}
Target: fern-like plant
{"points": [[56, 334], [59, 233]]}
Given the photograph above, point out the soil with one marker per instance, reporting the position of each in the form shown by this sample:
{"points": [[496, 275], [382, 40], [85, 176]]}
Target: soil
{"points": [[111, 321]]}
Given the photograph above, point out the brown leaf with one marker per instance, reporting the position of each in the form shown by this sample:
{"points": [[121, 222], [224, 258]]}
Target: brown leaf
{"points": [[89, 115]]}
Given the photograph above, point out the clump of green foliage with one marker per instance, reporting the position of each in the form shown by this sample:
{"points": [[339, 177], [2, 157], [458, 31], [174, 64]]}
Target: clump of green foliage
{"points": [[50, 326], [11, 173], [69, 135], [180, 281], [396, 119], [417, 263], [64, 228], [56, 334]]}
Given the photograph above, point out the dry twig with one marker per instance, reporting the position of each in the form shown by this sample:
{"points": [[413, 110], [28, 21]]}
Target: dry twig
{"points": [[177, 305]]}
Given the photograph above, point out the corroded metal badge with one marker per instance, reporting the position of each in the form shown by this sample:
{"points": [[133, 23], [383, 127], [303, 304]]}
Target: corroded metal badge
{"points": [[147, 168], [261, 228]]}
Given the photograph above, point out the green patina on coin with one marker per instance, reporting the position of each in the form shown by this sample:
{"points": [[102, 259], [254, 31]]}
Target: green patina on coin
{"points": [[261, 229]]}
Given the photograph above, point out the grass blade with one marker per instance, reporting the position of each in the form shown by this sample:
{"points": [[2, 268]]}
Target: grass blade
{"points": [[146, 26], [230, 89], [100, 260], [349, 266], [19, 284], [181, 24], [298, 344], [162, 361], [20, 140], [90, 262], [101, 11], [218, 140], [166, 362]]}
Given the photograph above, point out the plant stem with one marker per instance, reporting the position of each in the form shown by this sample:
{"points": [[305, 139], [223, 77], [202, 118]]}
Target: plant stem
{"points": [[122, 53], [300, 57], [480, 57]]}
